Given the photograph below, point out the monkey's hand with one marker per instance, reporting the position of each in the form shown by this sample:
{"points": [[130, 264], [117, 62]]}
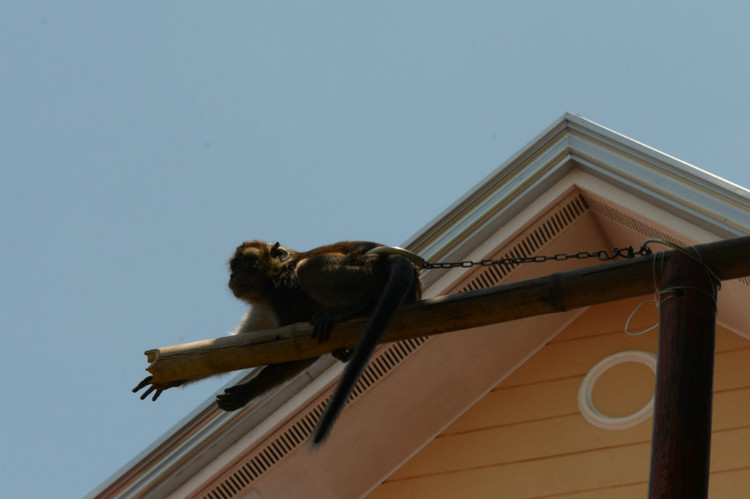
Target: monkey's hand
{"points": [[157, 388], [342, 354]]}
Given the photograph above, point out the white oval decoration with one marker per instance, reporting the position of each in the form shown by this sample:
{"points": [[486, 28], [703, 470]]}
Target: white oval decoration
{"points": [[586, 403]]}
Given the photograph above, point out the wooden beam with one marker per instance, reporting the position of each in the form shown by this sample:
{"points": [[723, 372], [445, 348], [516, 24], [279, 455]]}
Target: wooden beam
{"points": [[543, 295], [681, 441]]}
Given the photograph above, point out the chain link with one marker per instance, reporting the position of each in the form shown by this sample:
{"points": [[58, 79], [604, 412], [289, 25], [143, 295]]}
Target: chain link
{"points": [[602, 255]]}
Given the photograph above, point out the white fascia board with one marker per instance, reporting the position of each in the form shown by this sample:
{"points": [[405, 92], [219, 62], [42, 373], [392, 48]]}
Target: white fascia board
{"points": [[675, 186], [669, 163], [718, 206], [528, 174]]}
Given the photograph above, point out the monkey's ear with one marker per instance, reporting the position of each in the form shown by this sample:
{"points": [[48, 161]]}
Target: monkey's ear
{"points": [[280, 252]]}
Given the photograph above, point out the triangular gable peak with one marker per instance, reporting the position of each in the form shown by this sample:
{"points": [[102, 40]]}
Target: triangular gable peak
{"points": [[577, 152], [577, 187]]}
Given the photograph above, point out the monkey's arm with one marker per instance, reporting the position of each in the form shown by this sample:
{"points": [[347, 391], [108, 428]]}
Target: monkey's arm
{"points": [[237, 396], [400, 285], [258, 317], [268, 377]]}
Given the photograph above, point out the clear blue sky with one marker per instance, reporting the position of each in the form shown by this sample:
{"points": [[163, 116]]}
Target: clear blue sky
{"points": [[140, 142]]}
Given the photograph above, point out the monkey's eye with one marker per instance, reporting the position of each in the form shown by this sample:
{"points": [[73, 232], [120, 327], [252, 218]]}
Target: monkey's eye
{"points": [[235, 265], [243, 264]]}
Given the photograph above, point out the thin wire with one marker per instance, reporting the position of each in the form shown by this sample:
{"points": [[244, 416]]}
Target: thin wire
{"points": [[627, 323], [694, 288], [695, 256], [659, 297]]}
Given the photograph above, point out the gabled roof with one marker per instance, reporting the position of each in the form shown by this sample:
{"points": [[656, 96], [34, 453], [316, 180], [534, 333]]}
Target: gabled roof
{"points": [[604, 162], [577, 186]]}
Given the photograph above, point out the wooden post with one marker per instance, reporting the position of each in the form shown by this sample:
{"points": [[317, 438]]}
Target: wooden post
{"points": [[681, 441]]}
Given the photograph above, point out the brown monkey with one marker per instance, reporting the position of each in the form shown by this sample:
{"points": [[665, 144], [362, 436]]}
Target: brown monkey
{"points": [[322, 286]]}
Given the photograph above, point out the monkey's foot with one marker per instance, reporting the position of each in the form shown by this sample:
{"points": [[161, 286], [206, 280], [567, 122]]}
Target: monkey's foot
{"points": [[324, 320], [342, 354], [322, 324], [233, 398]]}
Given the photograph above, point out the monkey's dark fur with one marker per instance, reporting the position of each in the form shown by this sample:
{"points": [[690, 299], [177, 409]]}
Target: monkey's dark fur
{"points": [[322, 286]]}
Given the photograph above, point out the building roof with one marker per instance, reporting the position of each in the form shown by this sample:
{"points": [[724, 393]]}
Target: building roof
{"points": [[576, 187]]}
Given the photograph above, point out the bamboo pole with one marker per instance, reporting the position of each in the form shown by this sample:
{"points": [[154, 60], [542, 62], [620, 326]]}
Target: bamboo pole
{"points": [[681, 441], [543, 295]]}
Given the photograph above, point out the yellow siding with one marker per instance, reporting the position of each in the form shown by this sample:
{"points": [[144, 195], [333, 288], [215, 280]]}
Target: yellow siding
{"points": [[527, 439]]}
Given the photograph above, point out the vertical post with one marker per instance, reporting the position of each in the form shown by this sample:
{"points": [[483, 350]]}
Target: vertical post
{"points": [[681, 440]]}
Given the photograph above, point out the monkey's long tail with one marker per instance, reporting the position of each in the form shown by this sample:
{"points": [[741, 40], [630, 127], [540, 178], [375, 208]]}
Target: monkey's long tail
{"points": [[401, 279]]}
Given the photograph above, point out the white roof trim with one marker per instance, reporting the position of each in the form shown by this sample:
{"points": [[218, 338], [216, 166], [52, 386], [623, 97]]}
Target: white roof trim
{"points": [[718, 206]]}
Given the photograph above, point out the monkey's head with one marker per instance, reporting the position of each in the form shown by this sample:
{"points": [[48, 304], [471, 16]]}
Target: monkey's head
{"points": [[254, 269]]}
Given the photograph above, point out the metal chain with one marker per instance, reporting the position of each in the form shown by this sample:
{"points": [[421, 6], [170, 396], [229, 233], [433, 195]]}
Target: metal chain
{"points": [[602, 255]]}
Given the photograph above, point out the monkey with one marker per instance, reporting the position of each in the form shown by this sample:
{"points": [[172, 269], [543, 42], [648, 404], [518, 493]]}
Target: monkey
{"points": [[321, 286]]}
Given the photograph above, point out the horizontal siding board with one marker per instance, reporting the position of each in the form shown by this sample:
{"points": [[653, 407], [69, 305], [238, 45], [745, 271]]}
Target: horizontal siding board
{"points": [[574, 358], [600, 469], [726, 484], [722, 485], [732, 370], [731, 409], [543, 477], [553, 437], [509, 404], [524, 442], [521, 403], [633, 491], [727, 341], [730, 449]]}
